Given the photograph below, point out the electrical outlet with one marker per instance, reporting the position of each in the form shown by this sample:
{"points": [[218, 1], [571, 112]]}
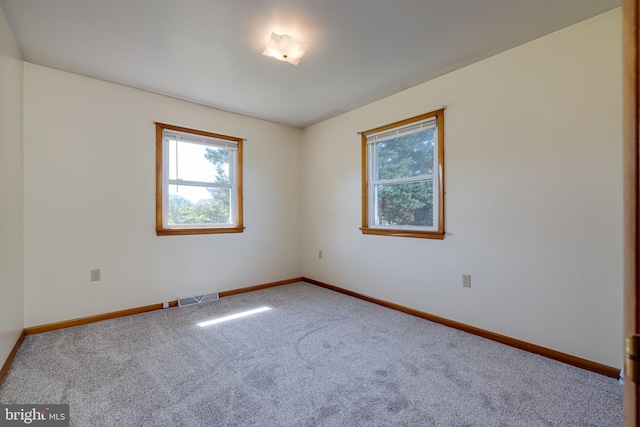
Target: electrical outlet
{"points": [[320, 254], [466, 280], [95, 275]]}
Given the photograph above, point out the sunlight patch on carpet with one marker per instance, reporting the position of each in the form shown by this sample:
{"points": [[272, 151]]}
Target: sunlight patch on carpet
{"points": [[233, 316]]}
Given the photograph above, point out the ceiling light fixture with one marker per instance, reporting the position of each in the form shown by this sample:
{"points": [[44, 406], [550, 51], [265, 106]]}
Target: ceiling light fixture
{"points": [[285, 48]]}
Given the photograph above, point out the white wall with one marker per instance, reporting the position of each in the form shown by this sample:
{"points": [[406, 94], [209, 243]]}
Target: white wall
{"points": [[89, 169], [11, 277], [533, 172]]}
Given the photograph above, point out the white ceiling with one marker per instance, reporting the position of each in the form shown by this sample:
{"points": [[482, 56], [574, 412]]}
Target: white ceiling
{"points": [[210, 51]]}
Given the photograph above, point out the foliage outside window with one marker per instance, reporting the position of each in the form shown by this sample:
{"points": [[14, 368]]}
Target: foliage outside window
{"points": [[198, 182], [403, 178]]}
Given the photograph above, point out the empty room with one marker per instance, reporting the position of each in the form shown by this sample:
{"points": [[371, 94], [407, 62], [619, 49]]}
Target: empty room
{"points": [[281, 213]]}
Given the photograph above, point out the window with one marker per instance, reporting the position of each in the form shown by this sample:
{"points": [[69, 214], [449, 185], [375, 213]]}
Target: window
{"points": [[402, 178], [198, 182]]}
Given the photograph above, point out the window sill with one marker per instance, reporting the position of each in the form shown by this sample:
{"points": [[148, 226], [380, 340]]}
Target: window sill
{"points": [[189, 231], [436, 235]]}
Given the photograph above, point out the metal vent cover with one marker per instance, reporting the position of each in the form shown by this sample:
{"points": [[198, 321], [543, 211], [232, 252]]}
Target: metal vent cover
{"points": [[187, 300]]}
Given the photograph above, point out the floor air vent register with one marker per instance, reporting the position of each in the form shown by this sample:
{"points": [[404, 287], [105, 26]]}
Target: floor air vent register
{"points": [[188, 300]]}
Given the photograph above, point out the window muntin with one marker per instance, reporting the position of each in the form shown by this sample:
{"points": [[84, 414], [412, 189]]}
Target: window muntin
{"points": [[403, 178], [198, 182]]}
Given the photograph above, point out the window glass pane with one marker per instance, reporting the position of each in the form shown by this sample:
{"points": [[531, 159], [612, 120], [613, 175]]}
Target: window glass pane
{"points": [[404, 204], [197, 162], [406, 156], [198, 205]]}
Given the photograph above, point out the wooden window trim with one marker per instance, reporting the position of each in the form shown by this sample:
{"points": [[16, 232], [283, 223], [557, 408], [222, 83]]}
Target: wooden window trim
{"points": [[399, 232], [160, 228]]}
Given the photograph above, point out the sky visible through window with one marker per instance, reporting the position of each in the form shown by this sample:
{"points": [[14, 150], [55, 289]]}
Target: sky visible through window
{"points": [[190, 164]]}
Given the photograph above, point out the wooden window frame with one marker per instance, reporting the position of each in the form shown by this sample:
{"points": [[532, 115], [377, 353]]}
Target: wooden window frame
{"points": [[161, 229], [439, 231]]}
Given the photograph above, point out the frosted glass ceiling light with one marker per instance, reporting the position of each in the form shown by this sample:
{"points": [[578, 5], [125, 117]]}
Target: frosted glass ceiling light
{"points": [[285, 48]]}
